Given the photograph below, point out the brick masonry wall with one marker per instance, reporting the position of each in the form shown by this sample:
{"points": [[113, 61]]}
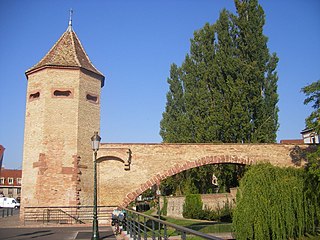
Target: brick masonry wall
{"points": [[151, 163], [89, 122], [57, 162]]}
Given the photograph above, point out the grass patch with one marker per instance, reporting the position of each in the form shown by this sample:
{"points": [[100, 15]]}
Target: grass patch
{"points": [[205, 227], [197, 225]]}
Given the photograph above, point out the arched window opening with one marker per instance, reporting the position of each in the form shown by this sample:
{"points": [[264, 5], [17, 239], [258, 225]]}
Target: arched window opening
{"points": [[59, 93], [34, 96], [92, 98]]}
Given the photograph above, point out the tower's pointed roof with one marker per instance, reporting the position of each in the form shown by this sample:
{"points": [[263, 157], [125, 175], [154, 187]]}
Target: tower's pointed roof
{"points": [[67, 52]]}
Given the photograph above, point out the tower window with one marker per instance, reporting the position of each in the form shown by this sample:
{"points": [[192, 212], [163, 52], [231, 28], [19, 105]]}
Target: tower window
{"points": [[63, 93], [92, 98], [58, 93], [34, 96]]}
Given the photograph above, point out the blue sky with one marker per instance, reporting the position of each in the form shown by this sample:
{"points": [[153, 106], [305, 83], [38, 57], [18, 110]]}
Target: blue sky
{"points": [[133, 43]]}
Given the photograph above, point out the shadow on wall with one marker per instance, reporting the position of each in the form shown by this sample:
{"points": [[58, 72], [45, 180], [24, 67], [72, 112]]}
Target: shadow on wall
{"points": [[298, 154]]}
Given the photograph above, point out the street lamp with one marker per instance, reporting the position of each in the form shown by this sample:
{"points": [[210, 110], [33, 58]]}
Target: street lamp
{"points": [[95, 140]]}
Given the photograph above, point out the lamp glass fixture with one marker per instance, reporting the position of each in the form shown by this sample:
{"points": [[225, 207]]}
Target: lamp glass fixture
{"points": [[95, 141]]}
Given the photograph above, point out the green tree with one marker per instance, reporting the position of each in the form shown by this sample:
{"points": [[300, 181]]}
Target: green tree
{"points": [[224, 91], [271, 204], [312, 92], [174, 126], [196, 75], [257, 71], [192, 207], [312, 188]]}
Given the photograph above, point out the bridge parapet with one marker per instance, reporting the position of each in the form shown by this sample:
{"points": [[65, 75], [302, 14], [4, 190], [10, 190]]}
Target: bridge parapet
{"points": [[151, 163]]}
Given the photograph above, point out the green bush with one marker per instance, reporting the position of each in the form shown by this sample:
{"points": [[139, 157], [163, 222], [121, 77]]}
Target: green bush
{"points": [[224, 214], [220, 214], [164, 207], [271, 204], [192, 207]]}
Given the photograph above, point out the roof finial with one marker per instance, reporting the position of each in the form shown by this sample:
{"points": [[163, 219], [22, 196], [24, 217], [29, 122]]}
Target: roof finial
{"points": [[70, 20]]}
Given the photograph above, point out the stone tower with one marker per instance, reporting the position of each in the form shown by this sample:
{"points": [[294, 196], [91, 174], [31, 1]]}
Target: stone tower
{"points": [[62, 113]]}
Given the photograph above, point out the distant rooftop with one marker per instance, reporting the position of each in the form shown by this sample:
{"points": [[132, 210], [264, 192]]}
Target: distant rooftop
{"points": [[292, 141]]}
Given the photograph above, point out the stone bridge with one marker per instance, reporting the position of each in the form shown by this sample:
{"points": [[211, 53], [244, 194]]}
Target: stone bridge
{"points": [[127, 170]]}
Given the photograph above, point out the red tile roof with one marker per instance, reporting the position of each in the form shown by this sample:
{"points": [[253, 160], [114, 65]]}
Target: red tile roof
{"points": [[292, 141], [67, 52], [10, 173]]}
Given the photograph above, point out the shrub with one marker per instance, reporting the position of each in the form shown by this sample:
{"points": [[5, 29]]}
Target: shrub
{"points": [[164, 207], [271, 204], [192, 207]]}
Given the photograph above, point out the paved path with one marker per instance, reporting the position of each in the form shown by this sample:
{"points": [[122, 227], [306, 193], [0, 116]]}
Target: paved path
{"points": [[54, 233], [12, 229]]}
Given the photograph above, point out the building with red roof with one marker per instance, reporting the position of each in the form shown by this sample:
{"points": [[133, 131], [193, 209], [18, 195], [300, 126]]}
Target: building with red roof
{"points": [[10, 182]]}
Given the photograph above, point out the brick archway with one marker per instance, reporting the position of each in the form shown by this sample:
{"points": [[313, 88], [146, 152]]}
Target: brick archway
{"points": [[208, 160], [148, 164]]}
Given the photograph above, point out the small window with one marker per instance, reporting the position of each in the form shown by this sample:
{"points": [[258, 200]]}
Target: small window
{"points": [[10, 181], [10, 191], [2, 181], [62, 93], [34, 96], [19, 181], [59, 93], [92, 98]]}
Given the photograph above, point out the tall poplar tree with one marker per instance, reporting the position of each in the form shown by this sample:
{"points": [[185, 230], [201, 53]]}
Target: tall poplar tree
{"points": [[199, 94], [225, 90], [258, 72], [175, 127]]}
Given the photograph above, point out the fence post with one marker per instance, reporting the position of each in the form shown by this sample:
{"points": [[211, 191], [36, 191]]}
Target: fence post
{"points": [[165, 232], [145, 236], [130, 225], [183, 236], [159, 231], [134, 227], [139, 228], [153, 231]]}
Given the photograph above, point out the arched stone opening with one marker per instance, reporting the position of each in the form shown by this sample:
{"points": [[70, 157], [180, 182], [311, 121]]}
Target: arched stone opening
{"points": [[177, 168]]}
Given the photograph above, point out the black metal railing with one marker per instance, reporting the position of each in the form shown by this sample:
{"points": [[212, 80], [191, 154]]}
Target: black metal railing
{"points": [[6, 212], [66, 214], [140, 226]]}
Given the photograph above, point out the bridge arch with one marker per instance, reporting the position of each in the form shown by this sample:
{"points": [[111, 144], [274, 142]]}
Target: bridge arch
{"points": [[140, 166], [208, 160]]}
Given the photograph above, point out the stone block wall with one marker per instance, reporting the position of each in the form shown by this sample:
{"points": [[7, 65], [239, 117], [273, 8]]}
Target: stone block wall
{"points": [[211, 201]]}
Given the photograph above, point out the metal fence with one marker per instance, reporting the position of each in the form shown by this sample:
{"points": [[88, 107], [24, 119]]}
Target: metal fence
{"points": [[66, 214], [140, 226], [5, 212]]}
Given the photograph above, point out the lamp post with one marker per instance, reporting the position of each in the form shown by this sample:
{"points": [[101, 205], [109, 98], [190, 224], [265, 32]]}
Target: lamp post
{"points": [[95, 140]]}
